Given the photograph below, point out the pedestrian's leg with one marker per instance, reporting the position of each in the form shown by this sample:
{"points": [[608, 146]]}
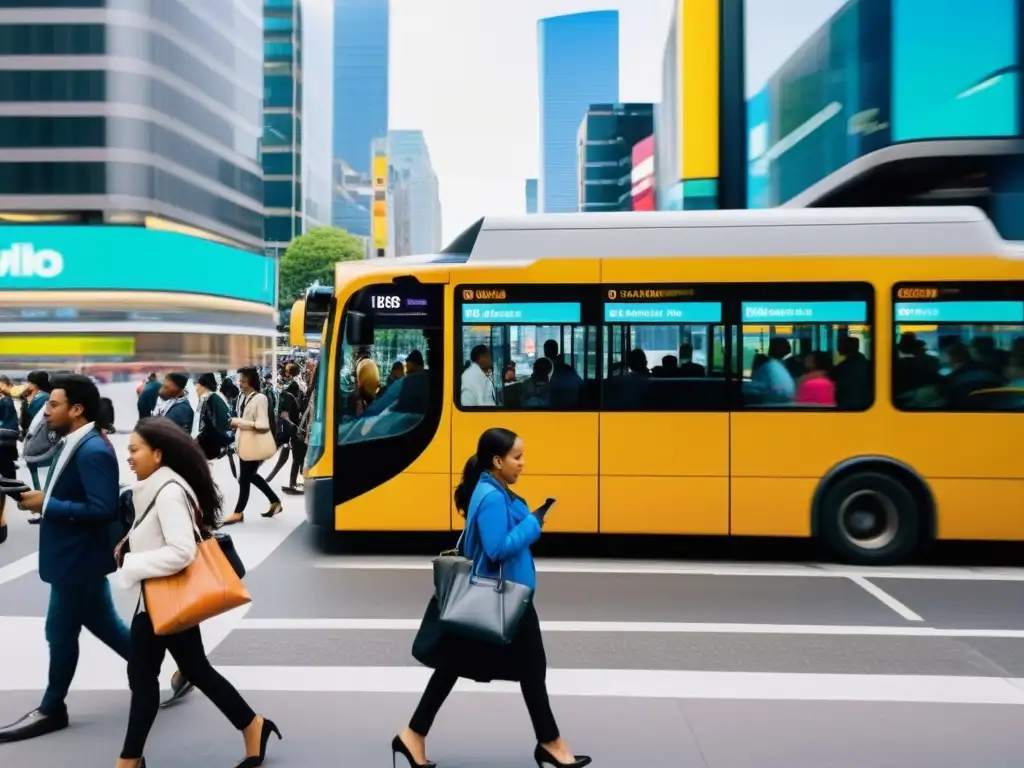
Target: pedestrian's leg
{"points": [[63, 628], [414, 737], [101, 618], [144, 661]]}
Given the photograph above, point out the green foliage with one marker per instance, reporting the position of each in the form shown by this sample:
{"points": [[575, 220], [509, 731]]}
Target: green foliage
{"points": [[311, 258]]}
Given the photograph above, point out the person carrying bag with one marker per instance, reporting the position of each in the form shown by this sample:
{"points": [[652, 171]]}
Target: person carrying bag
{"points": [[182, 577], [482, 624]]}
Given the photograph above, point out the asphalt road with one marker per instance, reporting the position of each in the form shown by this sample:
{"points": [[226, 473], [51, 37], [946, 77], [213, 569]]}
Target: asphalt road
{"points": [[652, 665]]}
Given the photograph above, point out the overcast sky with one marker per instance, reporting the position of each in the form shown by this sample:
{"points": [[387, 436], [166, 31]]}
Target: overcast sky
{"points": [[465, 72]]}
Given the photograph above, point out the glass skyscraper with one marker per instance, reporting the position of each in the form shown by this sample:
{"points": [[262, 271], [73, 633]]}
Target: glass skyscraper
{"points": [[360, 105], [579, 66], [410, 158], [296, 152], [531, 195], [158, 115], [607, 136]]}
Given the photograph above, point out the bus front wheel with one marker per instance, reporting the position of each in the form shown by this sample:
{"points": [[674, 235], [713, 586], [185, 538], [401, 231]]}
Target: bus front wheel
{"points": [[870, 518]]}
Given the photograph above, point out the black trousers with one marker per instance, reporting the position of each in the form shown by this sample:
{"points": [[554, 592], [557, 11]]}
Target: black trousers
{"points": [[144, 661], [248, 475], [298, 456], [531, 671]]}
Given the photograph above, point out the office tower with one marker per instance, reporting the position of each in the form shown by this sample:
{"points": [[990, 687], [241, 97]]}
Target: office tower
{"points": [[297, 140], [579, 66], [409, 155], [606, 139], [149, 120], [531, 195], [360, 106]]}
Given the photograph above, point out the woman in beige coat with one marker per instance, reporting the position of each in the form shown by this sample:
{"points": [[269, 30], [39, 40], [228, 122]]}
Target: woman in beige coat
{"points": [[254, 444]]}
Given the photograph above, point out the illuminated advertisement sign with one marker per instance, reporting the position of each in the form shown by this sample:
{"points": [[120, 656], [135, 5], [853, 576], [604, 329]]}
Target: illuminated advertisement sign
{"points": [[961, 312], [805, 311], [955, 74], [112, 258], [881, 72], [643, 175]]}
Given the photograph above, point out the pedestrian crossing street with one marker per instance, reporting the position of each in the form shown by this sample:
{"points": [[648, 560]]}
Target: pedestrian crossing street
{"points": [[683, 656]]}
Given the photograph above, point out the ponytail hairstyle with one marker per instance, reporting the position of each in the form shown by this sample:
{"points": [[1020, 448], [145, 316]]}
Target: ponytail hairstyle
{"points": [[494, 443]]}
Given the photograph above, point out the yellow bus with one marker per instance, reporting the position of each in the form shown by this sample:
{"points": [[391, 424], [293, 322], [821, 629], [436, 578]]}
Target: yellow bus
{"points": [[855, 375]]}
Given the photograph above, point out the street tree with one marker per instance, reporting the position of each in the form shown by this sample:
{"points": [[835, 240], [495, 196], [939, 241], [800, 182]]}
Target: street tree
{"points": [[311, 257]]}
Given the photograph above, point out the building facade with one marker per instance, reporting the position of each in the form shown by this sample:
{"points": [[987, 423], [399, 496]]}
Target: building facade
{"points": [[578, 66], [531, 195], [409, 154], [890, 103], [129, 156], [297, 140], [604, 153], [360, 106]]}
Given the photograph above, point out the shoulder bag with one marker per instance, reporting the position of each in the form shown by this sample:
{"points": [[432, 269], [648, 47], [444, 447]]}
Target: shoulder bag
{"points": [[208, 587], [476, 606]]}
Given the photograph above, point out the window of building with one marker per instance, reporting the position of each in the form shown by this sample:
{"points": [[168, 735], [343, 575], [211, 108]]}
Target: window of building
{"points": [[278, 163], [278, 24], [958, 347], [280, 130], [19, 132], [527, 347], [51, 39], [664, 350], [53, 85], [278, 91], [273, 51], [806, 346], [281, 194], [52, 178], [281, 229]]}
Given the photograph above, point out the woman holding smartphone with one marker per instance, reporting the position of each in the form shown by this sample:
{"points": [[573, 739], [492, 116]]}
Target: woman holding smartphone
{"points": [[500, 530]]}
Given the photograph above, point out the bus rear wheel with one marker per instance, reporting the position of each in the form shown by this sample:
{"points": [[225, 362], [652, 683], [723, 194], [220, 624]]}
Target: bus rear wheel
{"points": [[870, 518]]}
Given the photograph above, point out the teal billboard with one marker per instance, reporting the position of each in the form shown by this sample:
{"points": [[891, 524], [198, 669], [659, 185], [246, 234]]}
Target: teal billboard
{"points": [[112, 258]]}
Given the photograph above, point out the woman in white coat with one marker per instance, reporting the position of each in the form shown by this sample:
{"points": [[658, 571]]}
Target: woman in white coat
{"points": [[255, 443], [176, 501]]}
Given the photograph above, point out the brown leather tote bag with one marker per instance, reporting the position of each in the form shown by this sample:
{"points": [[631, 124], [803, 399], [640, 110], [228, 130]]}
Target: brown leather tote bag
{"points": [[206, 588]]}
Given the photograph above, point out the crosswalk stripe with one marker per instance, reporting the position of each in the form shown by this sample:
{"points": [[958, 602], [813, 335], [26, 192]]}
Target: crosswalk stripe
{"points": [[653, 627], [667, 568]]}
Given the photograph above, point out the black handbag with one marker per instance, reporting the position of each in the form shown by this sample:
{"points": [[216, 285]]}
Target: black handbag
{"points": [[227, 546]]}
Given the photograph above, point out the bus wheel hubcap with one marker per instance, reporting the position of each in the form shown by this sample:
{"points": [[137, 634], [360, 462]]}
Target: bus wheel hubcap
{"points": [[868, 520]]}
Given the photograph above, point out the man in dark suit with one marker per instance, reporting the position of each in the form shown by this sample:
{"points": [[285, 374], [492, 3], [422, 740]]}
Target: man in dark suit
{"points": [[79, 508]]}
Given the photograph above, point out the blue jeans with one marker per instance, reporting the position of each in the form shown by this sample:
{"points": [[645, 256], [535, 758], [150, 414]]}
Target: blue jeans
{"points": [[73, 605]]}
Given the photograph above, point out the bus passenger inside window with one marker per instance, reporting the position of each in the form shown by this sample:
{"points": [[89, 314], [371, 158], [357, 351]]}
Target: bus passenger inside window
{"points": [[821, 365], [538, 367], [961, 367]]}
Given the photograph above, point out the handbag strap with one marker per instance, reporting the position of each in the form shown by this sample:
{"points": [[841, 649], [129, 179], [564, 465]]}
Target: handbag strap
{"points": [[458, 545], [191, 504]]}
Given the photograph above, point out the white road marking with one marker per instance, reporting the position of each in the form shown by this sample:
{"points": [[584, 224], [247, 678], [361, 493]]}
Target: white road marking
{"points": [[642, 683], [19, 568], [885, 598], [669, 568], [629, 627]]}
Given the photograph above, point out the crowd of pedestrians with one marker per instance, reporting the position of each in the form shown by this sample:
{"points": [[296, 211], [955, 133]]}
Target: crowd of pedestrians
{"points": [[151, 536]]}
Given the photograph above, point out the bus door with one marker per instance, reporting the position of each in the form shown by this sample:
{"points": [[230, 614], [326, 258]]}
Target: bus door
{"points": [[803, 353], [392, 458], [527, 359], [664, 411]]}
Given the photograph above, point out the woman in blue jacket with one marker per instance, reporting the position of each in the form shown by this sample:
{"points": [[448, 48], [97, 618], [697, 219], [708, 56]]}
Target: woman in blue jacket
{"points": [[499, 531]]}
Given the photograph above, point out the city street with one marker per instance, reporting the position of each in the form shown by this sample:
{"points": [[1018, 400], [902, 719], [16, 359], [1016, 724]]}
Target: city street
{"points": [[652, 665]]}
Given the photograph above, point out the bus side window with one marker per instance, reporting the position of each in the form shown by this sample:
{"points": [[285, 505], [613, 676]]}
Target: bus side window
{"points": [[664, 367], [806, 365], [527, 367]]}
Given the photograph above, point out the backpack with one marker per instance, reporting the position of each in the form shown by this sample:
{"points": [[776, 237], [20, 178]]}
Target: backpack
{"points": [[40, 442], [213, 442], [273, 414]]}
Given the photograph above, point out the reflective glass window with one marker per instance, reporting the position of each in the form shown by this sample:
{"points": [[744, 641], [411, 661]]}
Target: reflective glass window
{"points": [[51, 39], [18, 132]]}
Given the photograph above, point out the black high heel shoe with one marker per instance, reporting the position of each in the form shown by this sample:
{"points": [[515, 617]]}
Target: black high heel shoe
{"points": [[255, 760], [545, 760], [398, 748]]}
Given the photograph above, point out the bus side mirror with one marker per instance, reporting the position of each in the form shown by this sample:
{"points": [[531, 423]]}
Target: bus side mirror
{"points": [[358, 329]]}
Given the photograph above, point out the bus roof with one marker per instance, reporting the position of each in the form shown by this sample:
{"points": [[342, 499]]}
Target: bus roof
{"points": [[896, 232]]}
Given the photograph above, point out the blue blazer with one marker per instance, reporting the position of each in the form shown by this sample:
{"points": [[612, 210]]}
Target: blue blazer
{"points": [[500, 530], [75, 533]]}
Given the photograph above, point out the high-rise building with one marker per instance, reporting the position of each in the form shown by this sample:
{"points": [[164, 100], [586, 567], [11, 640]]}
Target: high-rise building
{"points": [[360, 106], [130, 183], [400, 214], [296, 149], [531, 195], [409, 155], [606, 139], [579, 66]]}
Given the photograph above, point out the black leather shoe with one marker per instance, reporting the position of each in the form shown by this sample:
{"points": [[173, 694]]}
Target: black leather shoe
{"points": [[180, 688], [34, 724]]}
